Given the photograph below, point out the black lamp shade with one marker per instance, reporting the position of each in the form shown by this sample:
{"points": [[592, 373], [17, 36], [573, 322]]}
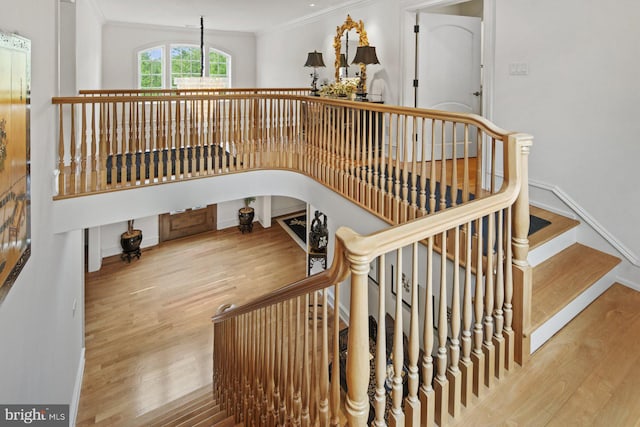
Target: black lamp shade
{"points": [[314, 59], [365, 55]]}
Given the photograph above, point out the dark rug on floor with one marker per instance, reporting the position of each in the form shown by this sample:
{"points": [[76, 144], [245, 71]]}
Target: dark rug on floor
{"points": [[298, 224]]}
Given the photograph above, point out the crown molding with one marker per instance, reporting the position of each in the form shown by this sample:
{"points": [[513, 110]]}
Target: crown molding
{"points": [[312, 17]]}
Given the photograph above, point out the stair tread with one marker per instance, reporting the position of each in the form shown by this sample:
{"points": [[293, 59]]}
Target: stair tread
{"points": [[559, 224], [193, 415], [176, 407], [227, 422], [560, 279]]}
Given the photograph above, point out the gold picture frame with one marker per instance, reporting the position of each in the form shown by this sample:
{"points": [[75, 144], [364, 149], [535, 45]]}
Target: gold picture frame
{"points": [[15, 196], [350, 24]]}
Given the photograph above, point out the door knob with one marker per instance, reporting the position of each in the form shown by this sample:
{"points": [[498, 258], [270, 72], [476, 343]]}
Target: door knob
{"points": [[477, 93]]}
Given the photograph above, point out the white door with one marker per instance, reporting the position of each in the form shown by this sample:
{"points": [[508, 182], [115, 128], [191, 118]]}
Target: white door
{"points": [[448, 63]]}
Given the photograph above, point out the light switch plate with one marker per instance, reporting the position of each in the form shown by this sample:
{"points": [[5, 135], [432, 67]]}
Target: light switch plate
{"points": [[518, 69]]}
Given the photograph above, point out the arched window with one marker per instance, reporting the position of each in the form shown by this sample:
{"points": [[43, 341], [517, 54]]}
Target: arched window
{"points": [[185, 62], [182, 61], [220, 67], [150, 68]]}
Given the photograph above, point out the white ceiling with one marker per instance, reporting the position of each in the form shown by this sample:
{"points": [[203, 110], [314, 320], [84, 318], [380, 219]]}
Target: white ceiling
{"points": [[228, 15]]}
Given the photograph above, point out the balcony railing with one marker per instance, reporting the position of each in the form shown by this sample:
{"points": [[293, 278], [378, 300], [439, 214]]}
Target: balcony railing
{"points": [[452, 272]]}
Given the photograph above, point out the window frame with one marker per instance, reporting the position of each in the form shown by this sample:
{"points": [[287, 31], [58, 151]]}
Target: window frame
{"points": [[139, 74], [166, 63]]}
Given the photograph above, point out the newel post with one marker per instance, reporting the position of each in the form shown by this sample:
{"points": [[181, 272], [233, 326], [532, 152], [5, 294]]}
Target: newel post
{"points": [[522, 274], [357, 404]]}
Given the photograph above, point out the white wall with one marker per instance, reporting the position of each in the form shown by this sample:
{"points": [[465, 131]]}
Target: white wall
{"points": [[40, 333], [121, 41], [284, 67], [579, 101], [89, 23]]}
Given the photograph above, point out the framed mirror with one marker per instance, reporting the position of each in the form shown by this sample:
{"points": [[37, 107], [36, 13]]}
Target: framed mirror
{"points": [[348, 37]]}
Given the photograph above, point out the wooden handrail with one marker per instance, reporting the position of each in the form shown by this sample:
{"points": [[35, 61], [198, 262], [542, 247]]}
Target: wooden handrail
{"points": [[337, 273]]}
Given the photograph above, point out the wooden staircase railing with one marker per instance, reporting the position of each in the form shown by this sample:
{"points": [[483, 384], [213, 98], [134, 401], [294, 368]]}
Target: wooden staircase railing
{"points": [[457, 248]]}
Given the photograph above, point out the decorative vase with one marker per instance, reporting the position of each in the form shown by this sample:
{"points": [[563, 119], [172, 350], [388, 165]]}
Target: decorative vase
{"points": [[245, 216], [130, 241]]}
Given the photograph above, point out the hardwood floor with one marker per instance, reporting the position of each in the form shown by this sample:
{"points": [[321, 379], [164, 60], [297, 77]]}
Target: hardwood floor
{"points": [[586, 375], [147, 324]]}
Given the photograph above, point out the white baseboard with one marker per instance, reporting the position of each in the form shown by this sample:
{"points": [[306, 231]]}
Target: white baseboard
{"points": [[628, 283], [590, 220], [571, 310], [77, 388]]}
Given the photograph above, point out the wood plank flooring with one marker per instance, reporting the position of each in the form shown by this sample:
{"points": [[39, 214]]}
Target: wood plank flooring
{"points": [[586, 375], [147, 324]]}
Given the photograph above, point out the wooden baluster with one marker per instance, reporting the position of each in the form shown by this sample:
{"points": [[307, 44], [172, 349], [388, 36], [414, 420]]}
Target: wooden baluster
{"points": [[369, 147], [131, 147], [324, 366], [158, 171], [487, 346], [477, 357], [62, 174], [494, 188], [334, 398], [466, 365], [291, 363], [381, 347], [454, 167], [508, 296], [250, 360], [397, 171], [396, 416], [216, 145], [94, 151], [113, 148], [202, 121], [479, 163], [315, 363], [465, 176], [72, 146], [277, 368], [102, 182], [305, 415], [441, 384], [153, 148], [443, 167], [184, 144], [434, 163], [414, 170], [83, 150], [453, 373], [134, 141], [261, 401], [405, 172], [423, 170], [145, 149], [297, 397], [124, 146], [412, 404], [498, 339], [208, 144], [427, 393], [192, 142]]}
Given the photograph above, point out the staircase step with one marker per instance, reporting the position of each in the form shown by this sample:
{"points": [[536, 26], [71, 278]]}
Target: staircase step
{"points": [[553, 238], [227, 422], [564, 285], [176, 408]]}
